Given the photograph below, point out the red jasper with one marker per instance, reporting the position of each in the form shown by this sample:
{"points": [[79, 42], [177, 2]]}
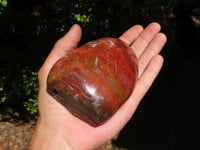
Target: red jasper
{"points": [[94, 80]]}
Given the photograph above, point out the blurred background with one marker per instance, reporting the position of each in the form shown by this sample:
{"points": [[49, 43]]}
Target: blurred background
{"points": [[168, 116]]}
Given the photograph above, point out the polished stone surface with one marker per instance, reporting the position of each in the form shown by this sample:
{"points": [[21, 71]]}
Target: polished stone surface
{"points": [[94, 80]]}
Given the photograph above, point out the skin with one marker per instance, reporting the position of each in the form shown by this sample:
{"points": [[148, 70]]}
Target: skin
{"points": [[58, 129]]}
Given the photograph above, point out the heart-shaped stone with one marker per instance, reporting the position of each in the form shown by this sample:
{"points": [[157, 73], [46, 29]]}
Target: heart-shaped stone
{"points": [[94, 80]]}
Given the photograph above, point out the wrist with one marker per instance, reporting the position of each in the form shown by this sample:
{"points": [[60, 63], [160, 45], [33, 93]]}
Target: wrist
{"points": [[45, 138]]}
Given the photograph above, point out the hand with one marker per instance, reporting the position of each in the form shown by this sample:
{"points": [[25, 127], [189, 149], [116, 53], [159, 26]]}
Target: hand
{"points": [[57, 128]]}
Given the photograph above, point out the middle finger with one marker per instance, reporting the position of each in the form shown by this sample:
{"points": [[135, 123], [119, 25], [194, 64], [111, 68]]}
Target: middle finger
{"points": [[145, 38]]}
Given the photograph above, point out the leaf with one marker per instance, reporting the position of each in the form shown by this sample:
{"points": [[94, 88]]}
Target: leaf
{"points": [[28, 92], [1, 88], [3, 2]]}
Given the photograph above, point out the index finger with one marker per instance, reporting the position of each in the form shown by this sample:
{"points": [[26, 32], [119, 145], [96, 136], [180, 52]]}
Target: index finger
{"points": [[131, 34]]}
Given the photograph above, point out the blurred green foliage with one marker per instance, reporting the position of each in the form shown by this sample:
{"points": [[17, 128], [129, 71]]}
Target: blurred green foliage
{"points": [[28, 30], [3, 4], [2, 89], [30, 88], [31, 106]]}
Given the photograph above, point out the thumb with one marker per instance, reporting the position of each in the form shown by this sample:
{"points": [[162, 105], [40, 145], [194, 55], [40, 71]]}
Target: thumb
{"points": [[67, 42], [70, 40]]}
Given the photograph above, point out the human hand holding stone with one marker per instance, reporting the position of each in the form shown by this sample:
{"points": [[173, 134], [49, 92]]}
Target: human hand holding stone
{"points": [[58, 129]]}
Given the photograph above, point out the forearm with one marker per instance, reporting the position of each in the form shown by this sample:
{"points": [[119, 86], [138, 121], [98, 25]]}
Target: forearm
{"points": [[44, 138]]}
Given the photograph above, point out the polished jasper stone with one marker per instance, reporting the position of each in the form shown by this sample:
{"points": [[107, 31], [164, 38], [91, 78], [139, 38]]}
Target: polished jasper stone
{"points": [[94, 80]]}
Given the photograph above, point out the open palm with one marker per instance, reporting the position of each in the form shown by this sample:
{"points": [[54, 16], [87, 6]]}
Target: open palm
{"points": [[58, 121]]}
